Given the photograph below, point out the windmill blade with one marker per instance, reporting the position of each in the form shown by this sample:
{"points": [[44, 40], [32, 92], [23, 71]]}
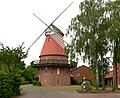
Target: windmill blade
{"points": [[38, 37], [62, 13], [56, 17], [40, 19], [54, 27], [48, 26]]}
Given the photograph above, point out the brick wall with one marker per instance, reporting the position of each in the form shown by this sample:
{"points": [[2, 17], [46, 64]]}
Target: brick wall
{"points": [[48, 76], [83, 71]]}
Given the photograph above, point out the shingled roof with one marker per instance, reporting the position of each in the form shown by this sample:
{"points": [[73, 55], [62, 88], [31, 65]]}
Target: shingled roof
{"points": [[52, 47]]}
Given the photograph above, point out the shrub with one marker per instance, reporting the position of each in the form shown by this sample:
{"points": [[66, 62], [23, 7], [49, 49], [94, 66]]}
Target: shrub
{"points": [[9, 85], [94, 84], [75, 82], [5, 86], [36, 83]]}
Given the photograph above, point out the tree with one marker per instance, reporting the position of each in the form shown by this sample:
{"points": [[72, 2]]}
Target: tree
{"points": [[10, 59], [10, 70], [88, 34], [29, 73], [97, 32], [113, 10]]}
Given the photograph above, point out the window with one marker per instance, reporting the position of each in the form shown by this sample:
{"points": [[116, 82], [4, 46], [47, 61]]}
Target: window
{"points": [[46, 60], [49, 39], [46, 69], [58, 71], [58, 81], [78, 74]]}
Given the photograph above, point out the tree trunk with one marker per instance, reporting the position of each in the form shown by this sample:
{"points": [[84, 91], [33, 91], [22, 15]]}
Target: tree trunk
{"points": [[102, 73], [114, 76], [103, 80], [115, 66], [97, 78]]}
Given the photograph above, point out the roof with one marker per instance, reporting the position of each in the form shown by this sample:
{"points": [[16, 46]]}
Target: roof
{"points": [[52, 47], [80, 67], [109, 75]]}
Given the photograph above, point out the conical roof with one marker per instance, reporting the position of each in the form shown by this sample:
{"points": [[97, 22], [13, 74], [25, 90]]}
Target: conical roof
{"points": [[53, 45]]}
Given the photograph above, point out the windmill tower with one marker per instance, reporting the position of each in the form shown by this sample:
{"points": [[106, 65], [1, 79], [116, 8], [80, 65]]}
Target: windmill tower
{"points": [[53, 67]]}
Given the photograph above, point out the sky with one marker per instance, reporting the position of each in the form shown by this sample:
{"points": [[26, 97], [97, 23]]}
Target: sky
{"points": [[18, 24]]}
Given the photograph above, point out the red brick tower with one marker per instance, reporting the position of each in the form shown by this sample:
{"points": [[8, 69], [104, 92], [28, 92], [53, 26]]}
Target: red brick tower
{"points": [[53, 67]]}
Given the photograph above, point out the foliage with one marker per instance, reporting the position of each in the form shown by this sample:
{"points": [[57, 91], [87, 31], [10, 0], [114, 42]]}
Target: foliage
{"points": [[94, 32], [75, 82], [88, 34], [93, 84], [29, 73], [9, 85], [113, 9], [10, 59], [36, 83], [10, 70]]}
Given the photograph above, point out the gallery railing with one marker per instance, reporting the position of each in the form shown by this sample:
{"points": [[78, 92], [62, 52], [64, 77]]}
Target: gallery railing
{"points": [[56, 62], [49, 62]]}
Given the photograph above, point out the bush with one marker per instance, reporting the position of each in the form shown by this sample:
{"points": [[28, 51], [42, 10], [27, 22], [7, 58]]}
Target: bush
{"points": [[36, 83], [9, 85], [94, 84], [75, 82]]}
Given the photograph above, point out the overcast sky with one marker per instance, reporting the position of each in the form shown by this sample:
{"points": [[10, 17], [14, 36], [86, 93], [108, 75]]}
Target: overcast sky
{"points": [[17, 23]]}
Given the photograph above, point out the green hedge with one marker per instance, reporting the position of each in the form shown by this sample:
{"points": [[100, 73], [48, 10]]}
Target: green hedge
{"points": [[9, 85]]}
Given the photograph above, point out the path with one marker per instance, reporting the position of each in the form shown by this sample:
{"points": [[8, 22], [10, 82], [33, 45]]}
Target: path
{"points": [[30, 91]]}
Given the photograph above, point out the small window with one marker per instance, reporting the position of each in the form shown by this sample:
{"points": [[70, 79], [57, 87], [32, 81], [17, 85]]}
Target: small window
{"points": [[77, 74], [49, 39], [46, 69], [58, 81], [58, 71], [46, 59]]}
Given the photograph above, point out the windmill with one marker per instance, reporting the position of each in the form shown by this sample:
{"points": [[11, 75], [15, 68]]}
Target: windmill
{"points": [[53, 67]]}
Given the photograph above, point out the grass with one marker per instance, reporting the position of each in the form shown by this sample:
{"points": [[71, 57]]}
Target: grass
{"points": [[66, 89]]}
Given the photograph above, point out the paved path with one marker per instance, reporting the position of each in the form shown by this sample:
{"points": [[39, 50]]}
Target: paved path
{"points": [[33, 92]]}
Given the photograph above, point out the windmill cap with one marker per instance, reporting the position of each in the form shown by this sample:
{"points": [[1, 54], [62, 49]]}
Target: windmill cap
{"points": [[51, 47], [57, 30]]}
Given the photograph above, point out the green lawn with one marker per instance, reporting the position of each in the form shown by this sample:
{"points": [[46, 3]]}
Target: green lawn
{"points": [[66, 89]]}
